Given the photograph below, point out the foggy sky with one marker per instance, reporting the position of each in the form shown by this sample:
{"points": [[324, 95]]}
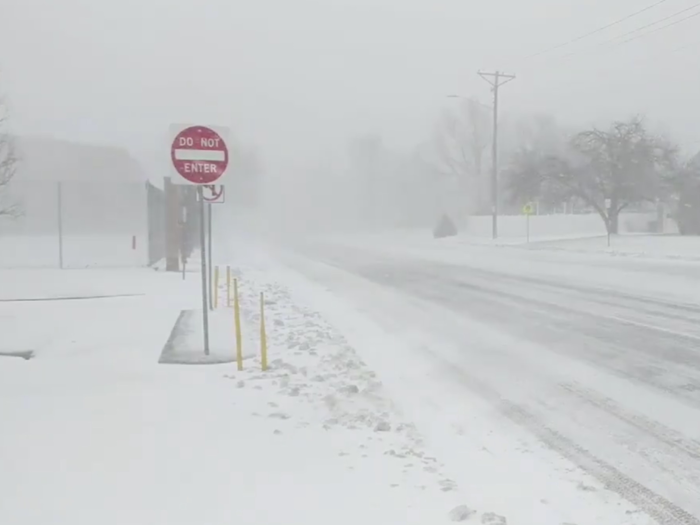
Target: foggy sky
{"points": [[299, 77]]}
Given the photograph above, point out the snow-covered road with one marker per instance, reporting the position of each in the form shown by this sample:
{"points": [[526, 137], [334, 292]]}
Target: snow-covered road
{"points": [[593, 361]]}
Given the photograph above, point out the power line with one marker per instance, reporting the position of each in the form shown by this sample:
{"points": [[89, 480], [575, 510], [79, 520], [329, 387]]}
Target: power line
{"points": [[687, 45], [595, 31], [642, 28], [615, 40], [661, 28]]}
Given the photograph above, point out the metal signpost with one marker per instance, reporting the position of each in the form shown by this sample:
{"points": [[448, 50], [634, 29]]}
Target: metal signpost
{"points": [[210, 258], [200, 157], [212, 194], [59, 206]]}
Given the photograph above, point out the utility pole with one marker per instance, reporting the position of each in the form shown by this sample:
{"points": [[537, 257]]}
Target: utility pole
{"points": [[496, 79]]}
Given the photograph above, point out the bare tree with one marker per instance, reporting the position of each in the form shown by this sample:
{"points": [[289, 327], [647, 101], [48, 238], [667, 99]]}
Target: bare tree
{"points": [[460, 145], [8, 167], [527, 140], [539, 132], [609, 170]]}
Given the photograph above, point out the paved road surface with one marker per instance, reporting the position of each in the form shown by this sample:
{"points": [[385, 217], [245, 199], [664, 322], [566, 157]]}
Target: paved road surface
{"points": [[607, 377]]}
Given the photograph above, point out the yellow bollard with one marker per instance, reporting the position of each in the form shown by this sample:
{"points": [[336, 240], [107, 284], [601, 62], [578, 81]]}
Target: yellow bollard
{"points": [[228, 287], [263, 335], [237, 319], [216, 287]]}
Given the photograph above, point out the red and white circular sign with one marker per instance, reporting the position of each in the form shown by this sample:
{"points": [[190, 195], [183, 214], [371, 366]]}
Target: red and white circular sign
{"points": [[199, 155]]}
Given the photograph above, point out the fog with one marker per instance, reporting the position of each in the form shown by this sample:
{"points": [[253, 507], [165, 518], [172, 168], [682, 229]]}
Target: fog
{"points": [[302, 83]]}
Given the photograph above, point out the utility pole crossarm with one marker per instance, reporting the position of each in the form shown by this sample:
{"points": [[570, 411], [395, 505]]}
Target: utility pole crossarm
{"points": [[496, 80]]}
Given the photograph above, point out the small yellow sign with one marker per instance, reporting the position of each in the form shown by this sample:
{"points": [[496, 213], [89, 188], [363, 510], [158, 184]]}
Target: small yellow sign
{"points": [[528, 209]]}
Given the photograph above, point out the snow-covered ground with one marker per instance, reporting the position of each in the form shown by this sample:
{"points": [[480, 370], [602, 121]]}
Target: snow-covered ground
{"points": [[558, 387], [641, 245], [662, 266], [653, 246], [410, 381], [94, 430], [561, 225], [79, 251]]}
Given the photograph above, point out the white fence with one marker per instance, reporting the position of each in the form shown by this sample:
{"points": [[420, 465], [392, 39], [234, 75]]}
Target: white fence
{"points": [[560, 225]]}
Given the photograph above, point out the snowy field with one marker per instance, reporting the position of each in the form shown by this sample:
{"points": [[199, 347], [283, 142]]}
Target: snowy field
{"points": [[96, 431], [79, 251]]}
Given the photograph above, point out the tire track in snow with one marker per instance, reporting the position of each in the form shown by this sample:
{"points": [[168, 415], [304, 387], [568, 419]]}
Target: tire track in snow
{"points": [[654, 505], [668, 436], [625, 349], [636, 356], [435, 287], [343, 257], [678, 311], [683, 352], [664, 511]]}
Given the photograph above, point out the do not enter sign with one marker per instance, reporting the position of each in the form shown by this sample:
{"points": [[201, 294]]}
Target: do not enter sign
{"points": [[199, 155]]}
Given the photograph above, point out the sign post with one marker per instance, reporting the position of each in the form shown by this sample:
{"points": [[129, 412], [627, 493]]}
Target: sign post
{"points": [[59, 205], [528, 210], [202, 247], [211, 280], [200, 157], [211, 194]]}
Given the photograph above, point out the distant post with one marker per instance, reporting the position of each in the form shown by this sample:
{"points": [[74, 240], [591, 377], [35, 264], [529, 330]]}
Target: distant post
{"points": [[528, 210], [59, 212]]}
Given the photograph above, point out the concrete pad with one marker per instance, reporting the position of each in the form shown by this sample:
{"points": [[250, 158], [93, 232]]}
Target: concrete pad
{"points": [[185, 346]]}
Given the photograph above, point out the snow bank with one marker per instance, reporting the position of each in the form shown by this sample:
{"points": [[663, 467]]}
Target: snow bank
{"points": [[312, 361], [423, 356]]}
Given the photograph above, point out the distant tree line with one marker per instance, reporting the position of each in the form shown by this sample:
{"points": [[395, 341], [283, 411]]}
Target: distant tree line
{"points": [[608, 170]]}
